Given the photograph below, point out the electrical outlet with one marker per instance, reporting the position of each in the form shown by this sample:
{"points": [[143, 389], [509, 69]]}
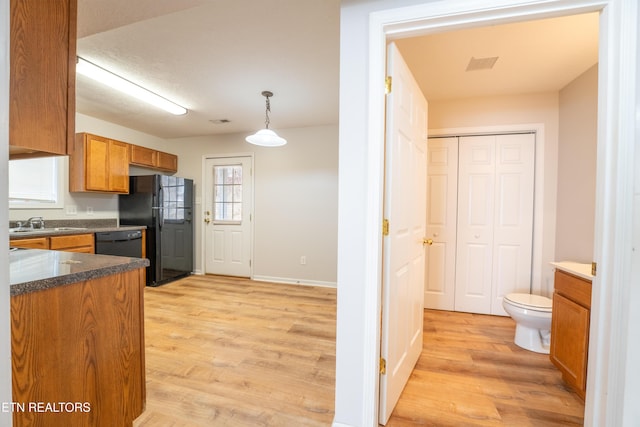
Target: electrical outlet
{"points": [[89, 210], [72, 210], [303, 260]]}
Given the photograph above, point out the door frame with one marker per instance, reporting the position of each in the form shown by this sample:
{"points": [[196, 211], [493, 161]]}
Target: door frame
{"points": [[605, 402], [199, 204]]}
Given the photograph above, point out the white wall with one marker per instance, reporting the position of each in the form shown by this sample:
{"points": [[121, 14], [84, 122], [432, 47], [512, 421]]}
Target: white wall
{"points": [[357, 349], [504, 111], [5, 322], [295, 195], [575, 224]]}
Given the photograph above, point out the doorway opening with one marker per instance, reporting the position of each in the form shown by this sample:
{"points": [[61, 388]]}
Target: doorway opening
{"points": [[396, 28]]}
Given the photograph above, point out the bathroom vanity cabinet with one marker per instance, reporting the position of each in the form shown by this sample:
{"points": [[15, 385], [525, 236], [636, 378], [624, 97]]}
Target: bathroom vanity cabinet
{"points": [[570, 328]]}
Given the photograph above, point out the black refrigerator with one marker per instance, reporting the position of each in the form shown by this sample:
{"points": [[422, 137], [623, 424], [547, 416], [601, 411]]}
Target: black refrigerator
{"points": [[165, 205]]}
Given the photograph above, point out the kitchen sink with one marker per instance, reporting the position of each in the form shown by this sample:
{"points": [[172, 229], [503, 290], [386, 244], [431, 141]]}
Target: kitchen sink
{"points": [[43, 230], [67, 228], [26, 230]]}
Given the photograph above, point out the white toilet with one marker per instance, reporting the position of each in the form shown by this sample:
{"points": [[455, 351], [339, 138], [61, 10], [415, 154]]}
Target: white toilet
{"points": [[532, 314]]}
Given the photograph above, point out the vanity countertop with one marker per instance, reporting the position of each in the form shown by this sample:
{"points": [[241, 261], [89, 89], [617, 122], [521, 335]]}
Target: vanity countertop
{"points": [[575, 268], [34, 269]]}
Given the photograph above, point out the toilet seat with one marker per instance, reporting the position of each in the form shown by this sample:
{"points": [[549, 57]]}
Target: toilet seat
{"points": [[530, 302]]}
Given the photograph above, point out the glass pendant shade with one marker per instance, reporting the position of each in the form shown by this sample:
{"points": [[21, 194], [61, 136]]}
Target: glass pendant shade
{"points": [[266, 137]]}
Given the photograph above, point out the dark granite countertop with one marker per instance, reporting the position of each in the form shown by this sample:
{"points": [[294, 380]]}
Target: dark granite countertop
{"points": [[33, 270], [62, 231]]}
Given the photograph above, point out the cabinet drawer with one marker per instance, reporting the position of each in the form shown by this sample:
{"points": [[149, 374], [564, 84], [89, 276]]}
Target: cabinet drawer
{"points": [[574, 288], [74, 241], [35, 243]]}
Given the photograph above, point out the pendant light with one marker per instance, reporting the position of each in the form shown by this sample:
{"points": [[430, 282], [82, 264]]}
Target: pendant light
{"points": [[266, 137]]}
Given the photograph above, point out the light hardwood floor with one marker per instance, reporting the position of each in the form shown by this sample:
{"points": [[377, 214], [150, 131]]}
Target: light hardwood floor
{"points": [[471, 373], [232, 352]]}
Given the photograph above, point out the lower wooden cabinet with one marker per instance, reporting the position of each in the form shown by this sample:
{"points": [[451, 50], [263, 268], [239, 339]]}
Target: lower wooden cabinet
{"points": [[84, 243], [31, 243], [570, 329], [79, 348]]}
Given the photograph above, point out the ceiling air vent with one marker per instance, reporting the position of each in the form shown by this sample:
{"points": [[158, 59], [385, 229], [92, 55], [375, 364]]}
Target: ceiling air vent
{"points": [[476, 64], [220, 121]]}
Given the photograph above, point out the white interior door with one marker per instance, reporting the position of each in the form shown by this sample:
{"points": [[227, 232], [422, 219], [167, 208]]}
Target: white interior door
{"points": [[405, 209], [442, 207], [474, 257], [495, 220], [228, 215], [513, 222]]}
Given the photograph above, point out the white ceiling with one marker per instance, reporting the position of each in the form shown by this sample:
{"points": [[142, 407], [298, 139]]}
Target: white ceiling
{"points": [[215, 57]]}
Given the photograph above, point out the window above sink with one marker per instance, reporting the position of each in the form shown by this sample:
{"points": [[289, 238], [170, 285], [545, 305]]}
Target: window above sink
{"points": [[36, 183]]}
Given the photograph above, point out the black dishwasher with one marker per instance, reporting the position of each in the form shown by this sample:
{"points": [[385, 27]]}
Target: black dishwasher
{"points": [[120, 243]]}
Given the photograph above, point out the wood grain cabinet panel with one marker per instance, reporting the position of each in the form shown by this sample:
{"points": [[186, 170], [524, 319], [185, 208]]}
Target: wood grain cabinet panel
{"points": [[142, 156], [30, 243], [154, 159], [84, 343], [42, 77], [570, 329], [84, 243], [167, 162], [99, 164]]}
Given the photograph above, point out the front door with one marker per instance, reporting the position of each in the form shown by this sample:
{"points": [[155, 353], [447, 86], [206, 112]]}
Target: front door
{"points": [[405, 209], [228, 216]]}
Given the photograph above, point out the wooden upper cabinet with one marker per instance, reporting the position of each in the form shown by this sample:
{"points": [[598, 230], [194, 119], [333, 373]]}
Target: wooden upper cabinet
{"points": [[99, 164], [142, 156], [149, 158], [166, 161], [42, 77]]}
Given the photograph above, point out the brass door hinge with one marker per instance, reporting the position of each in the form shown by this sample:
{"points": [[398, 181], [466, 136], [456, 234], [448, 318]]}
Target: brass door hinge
{"points": [[385, 227], [383, 366], [387, 85], [594, 268]]}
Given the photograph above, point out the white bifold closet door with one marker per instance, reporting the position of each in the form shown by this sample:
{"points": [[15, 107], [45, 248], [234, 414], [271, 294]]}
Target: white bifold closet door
{"points": [[493, 225]]}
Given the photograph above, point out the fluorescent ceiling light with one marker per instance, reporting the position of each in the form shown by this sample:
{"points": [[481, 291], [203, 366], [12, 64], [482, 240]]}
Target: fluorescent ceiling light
{"points": [[114, 81]]}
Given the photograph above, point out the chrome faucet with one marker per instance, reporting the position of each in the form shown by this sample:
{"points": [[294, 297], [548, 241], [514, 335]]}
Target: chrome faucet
{"points": [[36, 222]]}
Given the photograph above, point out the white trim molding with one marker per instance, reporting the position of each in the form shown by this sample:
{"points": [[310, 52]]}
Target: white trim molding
{"points": [[291, 281]]}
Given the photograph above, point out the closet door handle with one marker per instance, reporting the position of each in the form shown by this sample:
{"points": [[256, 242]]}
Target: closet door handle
{"points": [[426, 242]]}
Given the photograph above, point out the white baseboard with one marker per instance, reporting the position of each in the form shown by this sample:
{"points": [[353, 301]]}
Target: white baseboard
{"points": [[286, 280], [290, 281]]}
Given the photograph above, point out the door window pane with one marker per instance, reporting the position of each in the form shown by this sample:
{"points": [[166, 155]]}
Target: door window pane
{"points": [[227, 193]]}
